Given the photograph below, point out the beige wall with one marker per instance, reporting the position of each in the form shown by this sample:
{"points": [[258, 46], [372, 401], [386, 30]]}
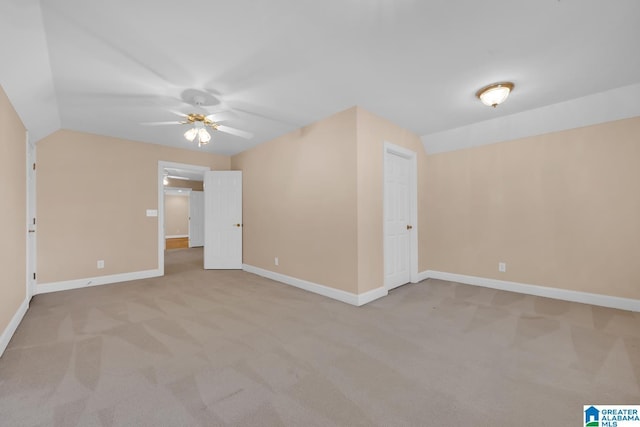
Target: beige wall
{"points": [[562, 210], [373, 132], [176, 215], [92, 196], [13, 213], [314, 199], [299, 203]]}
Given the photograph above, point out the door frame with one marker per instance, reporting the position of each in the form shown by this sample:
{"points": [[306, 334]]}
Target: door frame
{"points": [[31, 234], [161, 166], [390, 149]]}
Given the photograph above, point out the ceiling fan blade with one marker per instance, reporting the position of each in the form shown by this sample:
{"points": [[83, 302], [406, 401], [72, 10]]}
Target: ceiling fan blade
{"points": [[178, 113], [161, 123], [221, 116], [234, 131], [266, 113]]}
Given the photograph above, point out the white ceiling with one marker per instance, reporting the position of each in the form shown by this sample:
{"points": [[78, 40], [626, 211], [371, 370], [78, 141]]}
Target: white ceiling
{"points": [[105, 67]]}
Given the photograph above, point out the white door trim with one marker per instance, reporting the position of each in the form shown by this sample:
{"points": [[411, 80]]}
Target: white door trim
{"points": [[392, 149], [31, 239], [161, 166]]}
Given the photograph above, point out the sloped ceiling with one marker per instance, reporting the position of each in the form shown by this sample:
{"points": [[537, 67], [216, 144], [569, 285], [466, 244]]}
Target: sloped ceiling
{"points": [[107, 67]]}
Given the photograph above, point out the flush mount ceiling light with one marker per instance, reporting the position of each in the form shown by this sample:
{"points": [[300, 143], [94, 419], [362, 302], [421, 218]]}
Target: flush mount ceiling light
{"points": [[495, 94]]}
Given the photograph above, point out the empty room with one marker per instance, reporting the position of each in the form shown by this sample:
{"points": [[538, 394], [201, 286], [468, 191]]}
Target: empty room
{"points": [[339, 213]]}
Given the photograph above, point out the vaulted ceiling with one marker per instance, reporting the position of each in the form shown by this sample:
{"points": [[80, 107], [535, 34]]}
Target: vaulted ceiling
{"points": [[108, 67]]}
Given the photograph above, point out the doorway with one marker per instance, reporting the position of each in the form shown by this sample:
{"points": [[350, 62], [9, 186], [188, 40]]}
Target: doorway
{"points": [[184, 215], [400, 215], [177, 217], [179, 177]]}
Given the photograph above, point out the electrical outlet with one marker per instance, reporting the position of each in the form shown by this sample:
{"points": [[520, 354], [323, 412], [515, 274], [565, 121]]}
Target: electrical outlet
{"points": [[502, 267], [100, 263], [275, 261]]}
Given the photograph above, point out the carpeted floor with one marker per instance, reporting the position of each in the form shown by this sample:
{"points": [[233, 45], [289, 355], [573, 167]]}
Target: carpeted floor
{"points": [[209, 348]]}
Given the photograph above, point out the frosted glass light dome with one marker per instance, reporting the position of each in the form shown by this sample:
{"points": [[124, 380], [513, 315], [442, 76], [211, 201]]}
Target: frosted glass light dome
{"points": [[495, 94], [190, 135]]}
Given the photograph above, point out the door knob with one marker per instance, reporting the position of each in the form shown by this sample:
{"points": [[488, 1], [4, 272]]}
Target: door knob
{"points": [[409, 227], [239, 225]]}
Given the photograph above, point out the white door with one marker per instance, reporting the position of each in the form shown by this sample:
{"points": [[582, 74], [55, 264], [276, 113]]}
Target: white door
{"points": [[223, 220], [31, 218], [196, 219], [398, 226]]}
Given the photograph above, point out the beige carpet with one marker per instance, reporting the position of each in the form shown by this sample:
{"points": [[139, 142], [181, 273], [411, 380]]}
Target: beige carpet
{"points": [[198, 348]]}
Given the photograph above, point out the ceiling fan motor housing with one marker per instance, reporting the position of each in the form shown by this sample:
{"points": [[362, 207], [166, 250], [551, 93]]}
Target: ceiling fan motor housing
{"points": [[193, 118]]}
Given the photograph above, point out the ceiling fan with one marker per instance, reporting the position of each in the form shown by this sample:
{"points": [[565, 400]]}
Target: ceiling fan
{"points": [[200, 122]]}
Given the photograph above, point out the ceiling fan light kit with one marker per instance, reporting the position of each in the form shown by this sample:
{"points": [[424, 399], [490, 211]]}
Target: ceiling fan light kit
{"points": [[495, 94], [199, 124], [199, 131]]}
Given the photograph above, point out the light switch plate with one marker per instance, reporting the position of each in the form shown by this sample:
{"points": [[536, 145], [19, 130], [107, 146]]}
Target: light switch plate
{"points": [[152, 212]]}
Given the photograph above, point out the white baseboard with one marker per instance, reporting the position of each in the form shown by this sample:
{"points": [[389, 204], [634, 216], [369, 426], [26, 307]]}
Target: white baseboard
{"points": [[541, 291], [372, 295], [176, 236], [13, 325], [423, 275], [95, 281], [347, 297]]}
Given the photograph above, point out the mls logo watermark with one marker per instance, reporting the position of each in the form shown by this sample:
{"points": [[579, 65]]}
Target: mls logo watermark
{"points": [[612, 415]]}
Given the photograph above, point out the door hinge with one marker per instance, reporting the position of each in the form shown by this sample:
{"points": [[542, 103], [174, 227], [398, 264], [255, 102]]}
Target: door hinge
{"points": [[34, 276], [34, 221], [34, 166]]}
